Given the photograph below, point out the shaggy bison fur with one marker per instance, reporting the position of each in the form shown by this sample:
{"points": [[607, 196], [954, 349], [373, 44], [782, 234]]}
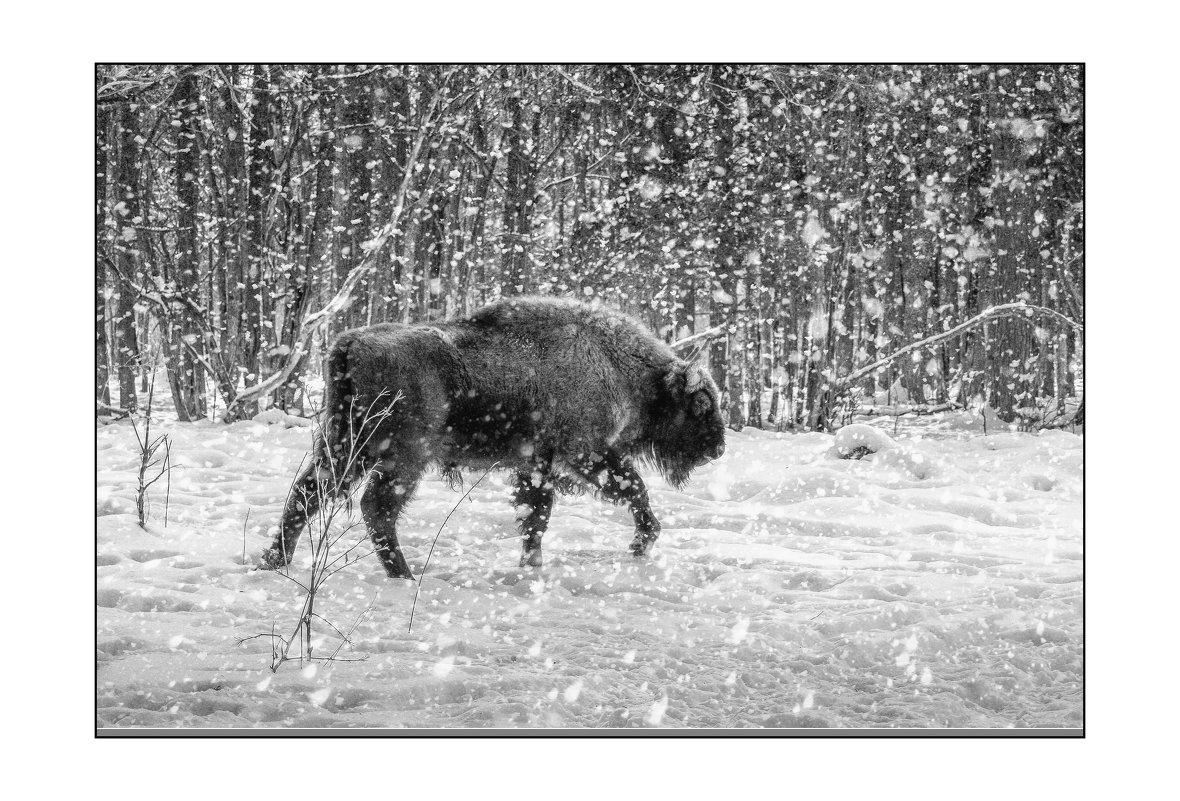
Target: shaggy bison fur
{"points": [[552, 389]]}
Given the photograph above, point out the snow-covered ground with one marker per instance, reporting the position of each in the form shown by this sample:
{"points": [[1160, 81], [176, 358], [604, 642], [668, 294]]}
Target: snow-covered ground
{"points": [[935, 583]]}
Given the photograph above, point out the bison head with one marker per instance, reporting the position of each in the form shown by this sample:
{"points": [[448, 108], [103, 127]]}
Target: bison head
{"points": [[687, 429]]}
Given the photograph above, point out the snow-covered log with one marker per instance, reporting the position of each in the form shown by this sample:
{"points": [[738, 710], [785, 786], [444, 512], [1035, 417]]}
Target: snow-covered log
{"points": [[915, 409]]}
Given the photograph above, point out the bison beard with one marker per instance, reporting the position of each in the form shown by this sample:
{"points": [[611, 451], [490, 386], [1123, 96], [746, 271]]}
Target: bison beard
{"points": [[553, 389]]}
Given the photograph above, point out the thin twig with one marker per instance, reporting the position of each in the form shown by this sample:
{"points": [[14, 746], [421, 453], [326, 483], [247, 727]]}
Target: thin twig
{"points": [[244, 524], [335, 492], [356, 623], [418, 589]]}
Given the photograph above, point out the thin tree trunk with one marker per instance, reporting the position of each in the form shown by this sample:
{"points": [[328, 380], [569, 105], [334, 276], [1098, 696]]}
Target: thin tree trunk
{"points": [[356, 119], [260, 169], [125, 212], [102, 359], [515, 278], [184, 375], [232, 280]]}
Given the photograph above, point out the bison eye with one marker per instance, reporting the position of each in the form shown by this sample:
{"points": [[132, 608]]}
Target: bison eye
{"points": [[701, 404]]}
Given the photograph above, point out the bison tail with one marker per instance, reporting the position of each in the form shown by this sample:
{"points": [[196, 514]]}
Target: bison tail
{"points": [[341, 440]]}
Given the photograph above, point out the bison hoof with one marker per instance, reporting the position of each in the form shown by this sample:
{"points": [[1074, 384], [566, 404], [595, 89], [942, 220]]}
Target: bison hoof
{"points": [[642, 543], [396, 566], [531, 558], [273, 559], [393, 572]]}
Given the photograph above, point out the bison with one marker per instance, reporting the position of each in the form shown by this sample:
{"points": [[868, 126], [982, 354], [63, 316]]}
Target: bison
{"points": [[561, 392]]}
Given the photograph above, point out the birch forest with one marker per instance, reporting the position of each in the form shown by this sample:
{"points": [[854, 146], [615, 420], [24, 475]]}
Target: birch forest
{"points": [[832, 240]]}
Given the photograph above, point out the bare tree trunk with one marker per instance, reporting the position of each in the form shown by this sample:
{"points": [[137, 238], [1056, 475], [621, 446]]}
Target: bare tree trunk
{"points": [[102, 358], [126, 210], [726, 357], [233, 278], [319, 252], [484, 196], [1009, 387], [102, 361], [357, 135], [260, 169], [753, 373], [513, 257], [431, 244], [184, 374]]}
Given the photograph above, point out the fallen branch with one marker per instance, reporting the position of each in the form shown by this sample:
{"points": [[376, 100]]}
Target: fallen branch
{"points": [[114, 411], [1016, 311]]}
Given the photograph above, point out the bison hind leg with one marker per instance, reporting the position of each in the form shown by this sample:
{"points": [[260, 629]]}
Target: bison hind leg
{"points": [[381, 505]]}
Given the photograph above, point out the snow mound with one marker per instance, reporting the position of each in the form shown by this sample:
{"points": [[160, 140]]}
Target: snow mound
{"points": [[855, 440], [911, 461]]}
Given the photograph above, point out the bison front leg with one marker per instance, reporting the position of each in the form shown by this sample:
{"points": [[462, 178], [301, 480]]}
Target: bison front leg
{"points": [[618, 481], [381, 506], [303, 502], [534, 491]]}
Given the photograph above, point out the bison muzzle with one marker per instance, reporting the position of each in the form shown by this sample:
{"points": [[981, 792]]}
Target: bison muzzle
{"points": [[552, 389]]}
